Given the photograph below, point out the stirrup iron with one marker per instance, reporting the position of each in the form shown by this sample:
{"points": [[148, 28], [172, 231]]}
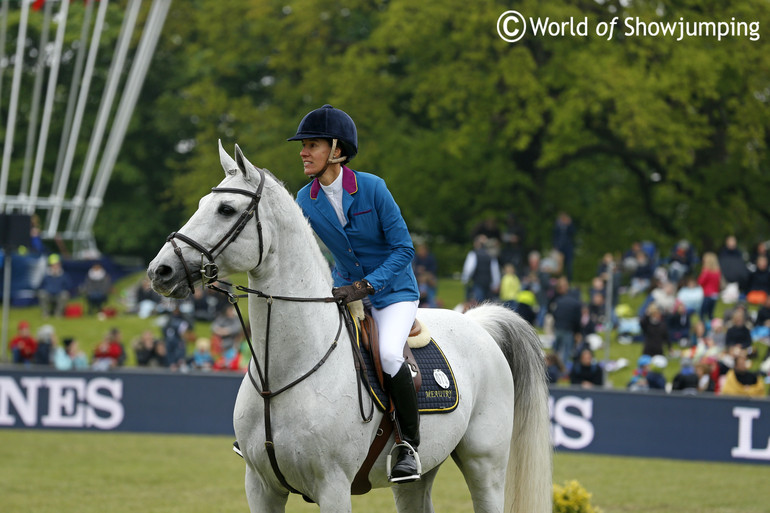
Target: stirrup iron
{"points": [[417, 462]]}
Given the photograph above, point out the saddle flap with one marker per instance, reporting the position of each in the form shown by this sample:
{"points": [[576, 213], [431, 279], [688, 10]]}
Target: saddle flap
{"points": [[371, 342]]}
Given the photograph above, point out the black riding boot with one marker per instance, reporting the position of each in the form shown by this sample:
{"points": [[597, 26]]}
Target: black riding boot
{"points": [[404, 397]]}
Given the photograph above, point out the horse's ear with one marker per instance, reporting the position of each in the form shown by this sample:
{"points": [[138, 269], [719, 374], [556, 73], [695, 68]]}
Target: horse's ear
{"points": [[241, 161], [227, 161]]}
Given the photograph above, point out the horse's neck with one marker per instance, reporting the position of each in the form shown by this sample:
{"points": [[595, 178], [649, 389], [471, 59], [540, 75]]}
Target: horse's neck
{"points": [[300, 332]]}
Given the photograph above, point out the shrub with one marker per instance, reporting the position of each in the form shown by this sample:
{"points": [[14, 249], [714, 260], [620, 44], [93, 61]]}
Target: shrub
{"points": [[572, 498]]}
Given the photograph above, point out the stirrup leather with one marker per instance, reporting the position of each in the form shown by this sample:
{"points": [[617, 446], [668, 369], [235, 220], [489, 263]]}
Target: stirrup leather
{"points": [[417, 461]]}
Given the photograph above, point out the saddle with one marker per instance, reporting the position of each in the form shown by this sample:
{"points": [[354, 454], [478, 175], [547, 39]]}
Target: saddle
{"points": [[438, 396]]}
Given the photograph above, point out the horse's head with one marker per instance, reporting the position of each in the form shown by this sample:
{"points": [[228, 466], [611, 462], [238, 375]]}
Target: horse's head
{"points": [[223, 236]]}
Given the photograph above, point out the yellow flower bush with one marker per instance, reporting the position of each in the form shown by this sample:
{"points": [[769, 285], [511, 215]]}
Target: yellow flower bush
{"points": [[572, 498]]}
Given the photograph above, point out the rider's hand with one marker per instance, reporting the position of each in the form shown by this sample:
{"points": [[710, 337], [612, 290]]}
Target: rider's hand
{"points": [[349, 293]]}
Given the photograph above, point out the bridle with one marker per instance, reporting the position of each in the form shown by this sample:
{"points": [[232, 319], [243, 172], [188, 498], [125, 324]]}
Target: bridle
{"points": [[209, 271]]}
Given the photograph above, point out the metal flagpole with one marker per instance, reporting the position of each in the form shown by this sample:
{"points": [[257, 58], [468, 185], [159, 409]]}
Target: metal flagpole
{"points": [[36, 88], [103, 114], [3, 32], [50, 94], [6, 298], [58, 196], [14, 102], [131, 92], [77, 73], [608, 319]]}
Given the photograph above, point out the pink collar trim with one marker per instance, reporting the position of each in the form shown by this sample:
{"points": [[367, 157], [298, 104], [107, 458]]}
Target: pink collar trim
{"points": [[349, 183]]}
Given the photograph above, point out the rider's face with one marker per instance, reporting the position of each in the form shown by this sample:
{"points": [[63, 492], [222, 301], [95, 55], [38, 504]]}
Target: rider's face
{"points": [[314, 155]]}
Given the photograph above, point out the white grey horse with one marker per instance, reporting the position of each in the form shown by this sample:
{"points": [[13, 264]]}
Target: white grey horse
{"points": [[499, 434]]}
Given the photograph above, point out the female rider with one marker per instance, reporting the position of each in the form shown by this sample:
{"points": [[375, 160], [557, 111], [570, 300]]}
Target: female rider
{"points": [[357, 218]]}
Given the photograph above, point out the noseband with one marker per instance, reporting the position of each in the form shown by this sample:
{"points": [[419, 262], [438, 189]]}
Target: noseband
{"points": [[209, 271]]}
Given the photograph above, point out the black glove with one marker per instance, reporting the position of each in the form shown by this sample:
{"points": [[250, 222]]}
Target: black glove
{"points": [[349, 293]]}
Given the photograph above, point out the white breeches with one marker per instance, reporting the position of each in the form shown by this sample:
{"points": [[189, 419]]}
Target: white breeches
{"points": [[393, 325]]}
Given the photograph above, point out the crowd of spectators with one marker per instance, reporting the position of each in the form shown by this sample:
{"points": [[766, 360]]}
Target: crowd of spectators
{"points": [[677, 319], [679, 293]]}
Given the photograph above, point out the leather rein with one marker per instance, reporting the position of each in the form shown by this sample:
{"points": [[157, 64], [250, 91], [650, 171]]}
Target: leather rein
{"points": [[209, 273]]}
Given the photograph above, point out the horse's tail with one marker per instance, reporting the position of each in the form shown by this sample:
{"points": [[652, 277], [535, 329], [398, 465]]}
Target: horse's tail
{"points": [[528, 486]]}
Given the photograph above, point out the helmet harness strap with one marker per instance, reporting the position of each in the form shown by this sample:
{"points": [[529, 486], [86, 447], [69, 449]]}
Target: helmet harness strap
{"points": [[331, 159]]}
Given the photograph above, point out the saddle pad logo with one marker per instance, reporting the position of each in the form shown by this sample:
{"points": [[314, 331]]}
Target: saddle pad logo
{"points": [[441, 379]]}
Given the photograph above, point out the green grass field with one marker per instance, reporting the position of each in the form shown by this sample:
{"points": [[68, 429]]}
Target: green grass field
{"points": [[63, 472]]}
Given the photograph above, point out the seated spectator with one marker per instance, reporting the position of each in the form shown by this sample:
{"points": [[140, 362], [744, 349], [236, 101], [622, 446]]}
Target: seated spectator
{"points": [[226, 330], [691, 295], [554, 368], [679, 325], [202, 358], [109, 353], [710, 280], [174, 335], [665, 297], [587, 323], [585, 371], [758, 286], [741, 381], [146, 300], [686, 380], [654, 331], [655, 378], [23, 345], [597, 310], [46, 342], [738, 334], [763, 314], [704, 344], [230, 360], [642, 275], [96, 288], [638, 381], [207, 304], [705, 382], [68, 356], [681, 261], [54, 291], [149, 350]]}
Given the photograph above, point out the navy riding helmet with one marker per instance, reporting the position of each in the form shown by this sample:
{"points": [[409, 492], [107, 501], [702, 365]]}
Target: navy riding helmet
{"points": [[330, 123]]}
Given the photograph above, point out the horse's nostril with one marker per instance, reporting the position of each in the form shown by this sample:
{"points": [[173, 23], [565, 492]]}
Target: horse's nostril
{"points": [[163, 271]]}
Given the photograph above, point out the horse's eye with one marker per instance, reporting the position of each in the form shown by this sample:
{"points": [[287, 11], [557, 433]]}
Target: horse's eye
{"points": [[226, 210]]}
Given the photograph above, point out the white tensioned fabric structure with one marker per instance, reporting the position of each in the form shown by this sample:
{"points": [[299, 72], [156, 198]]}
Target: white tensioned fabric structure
{"points": [[68, 211]]}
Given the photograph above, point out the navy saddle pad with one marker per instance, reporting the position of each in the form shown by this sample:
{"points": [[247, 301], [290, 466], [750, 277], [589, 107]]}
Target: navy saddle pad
{"points": [[438, 393]]}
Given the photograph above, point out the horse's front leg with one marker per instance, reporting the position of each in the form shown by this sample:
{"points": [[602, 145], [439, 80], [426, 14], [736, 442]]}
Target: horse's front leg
{"points": [[262, 498], [334, 496]]}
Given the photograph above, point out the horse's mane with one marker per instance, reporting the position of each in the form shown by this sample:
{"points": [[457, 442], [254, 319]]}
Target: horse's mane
{"points": [[289, 217]]}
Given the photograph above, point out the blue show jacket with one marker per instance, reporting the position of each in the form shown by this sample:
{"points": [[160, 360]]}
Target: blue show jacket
{"points": [[374, 244]]}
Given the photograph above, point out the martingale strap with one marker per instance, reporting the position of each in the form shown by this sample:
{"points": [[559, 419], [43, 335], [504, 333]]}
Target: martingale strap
{"points": [[263, 387]]}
